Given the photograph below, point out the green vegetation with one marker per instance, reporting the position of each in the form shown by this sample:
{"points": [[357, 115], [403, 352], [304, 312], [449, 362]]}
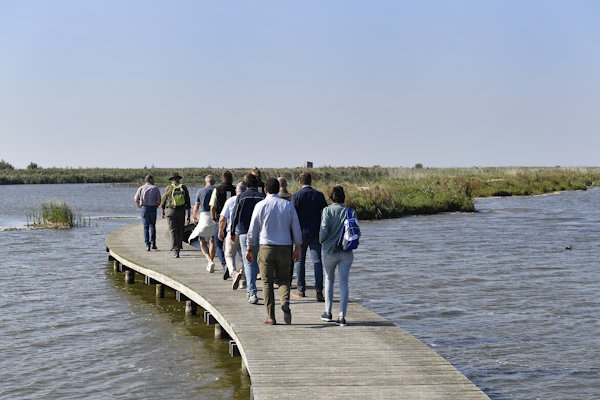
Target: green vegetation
{"points": [[55, 214], [375, 192], [4, 165]]}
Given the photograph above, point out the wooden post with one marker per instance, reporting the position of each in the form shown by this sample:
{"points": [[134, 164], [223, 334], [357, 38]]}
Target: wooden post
{"points": [[233, 349], [150, 281], [180, 296], [116, 266], [130, 276], [190, 308], [209, 319], [218, 331], [160, 290], [110, 258]]}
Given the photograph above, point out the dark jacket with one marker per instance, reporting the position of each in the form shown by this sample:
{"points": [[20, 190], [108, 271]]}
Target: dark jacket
{"points": [[309, 202], [224, 191], [243, 212]]}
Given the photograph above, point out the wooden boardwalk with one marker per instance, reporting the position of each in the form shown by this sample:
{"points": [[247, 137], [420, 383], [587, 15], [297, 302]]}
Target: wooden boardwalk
{"points": [[369, 359]]}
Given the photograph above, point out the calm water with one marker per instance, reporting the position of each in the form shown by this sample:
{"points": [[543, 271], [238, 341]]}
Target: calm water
{"points": [[495, 292]]}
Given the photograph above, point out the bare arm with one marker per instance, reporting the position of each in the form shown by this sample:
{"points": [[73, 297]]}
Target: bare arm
{"points": [[196, 208], [222, 225]]}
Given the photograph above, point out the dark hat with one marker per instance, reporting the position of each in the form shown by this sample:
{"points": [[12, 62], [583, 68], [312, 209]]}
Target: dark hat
{"points": [[175, 177]]}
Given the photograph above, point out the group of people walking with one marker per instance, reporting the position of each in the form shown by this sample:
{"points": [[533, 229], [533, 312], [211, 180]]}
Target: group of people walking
{"points": [[269, 228]]}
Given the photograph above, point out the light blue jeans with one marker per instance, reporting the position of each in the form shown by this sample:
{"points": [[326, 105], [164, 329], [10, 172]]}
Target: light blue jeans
{"points": [[251, 270], [342, 260]]}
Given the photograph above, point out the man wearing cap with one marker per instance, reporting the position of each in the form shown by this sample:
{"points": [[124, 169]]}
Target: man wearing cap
{"points": [[176, 201], [147, 198]]}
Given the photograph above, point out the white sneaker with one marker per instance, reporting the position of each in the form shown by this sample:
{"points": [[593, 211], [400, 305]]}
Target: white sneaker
{"points": [[237, 277], [210, 267], [253, 299]]}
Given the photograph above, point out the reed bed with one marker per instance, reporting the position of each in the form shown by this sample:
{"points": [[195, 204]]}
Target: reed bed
{"points": [[375, 192], [55, 214]]}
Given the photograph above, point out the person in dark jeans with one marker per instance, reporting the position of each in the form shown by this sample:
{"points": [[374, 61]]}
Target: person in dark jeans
{"points": [[147, 198], [176, 201], [309, 203], [222, 192]]}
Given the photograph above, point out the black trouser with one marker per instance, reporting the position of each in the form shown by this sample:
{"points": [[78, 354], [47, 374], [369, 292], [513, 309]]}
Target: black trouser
{"points": [[176, 220]]}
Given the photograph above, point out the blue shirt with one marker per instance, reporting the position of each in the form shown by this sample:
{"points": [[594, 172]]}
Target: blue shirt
{"points": [[274, 222], [309, 202], [203, 197], [228, 211]]}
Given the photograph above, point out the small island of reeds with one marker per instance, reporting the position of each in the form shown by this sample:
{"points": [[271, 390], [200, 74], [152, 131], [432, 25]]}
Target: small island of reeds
{"points": [[375, 192], [54, 214]]}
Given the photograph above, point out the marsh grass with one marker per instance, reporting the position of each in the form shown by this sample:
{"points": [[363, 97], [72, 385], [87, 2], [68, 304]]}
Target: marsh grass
{"points": [[55, 214], [375, 192]]}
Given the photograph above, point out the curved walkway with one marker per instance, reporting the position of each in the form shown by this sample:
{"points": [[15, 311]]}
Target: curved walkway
{"points": [[369, 359]]}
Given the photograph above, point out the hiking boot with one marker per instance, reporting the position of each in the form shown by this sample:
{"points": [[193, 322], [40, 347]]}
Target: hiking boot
{"points": [[237, 277], [326, 317], [287, 313], [253, 299], [320, 297], [154, 246], [298, 293], [226, 274], [341, 321], [210, 267]]}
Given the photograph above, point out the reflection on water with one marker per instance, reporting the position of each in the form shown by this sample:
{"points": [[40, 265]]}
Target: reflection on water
{"points": [[495, 292]]}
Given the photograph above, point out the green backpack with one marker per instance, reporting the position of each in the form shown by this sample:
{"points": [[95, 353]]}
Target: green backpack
{"points": [[178, 195]]}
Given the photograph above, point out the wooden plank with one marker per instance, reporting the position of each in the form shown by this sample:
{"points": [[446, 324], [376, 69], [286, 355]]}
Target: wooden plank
{"points": [[371, 358]]}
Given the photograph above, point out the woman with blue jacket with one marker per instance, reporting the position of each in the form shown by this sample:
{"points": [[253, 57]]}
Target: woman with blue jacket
{"points": [[332, 223]]}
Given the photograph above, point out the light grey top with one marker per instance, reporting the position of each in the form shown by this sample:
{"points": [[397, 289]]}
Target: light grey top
{"points": [[148, 194], [274, 221], [332, 223]]}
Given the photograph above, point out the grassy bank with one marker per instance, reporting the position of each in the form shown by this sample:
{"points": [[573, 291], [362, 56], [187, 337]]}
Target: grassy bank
{"points": [[375, 192]]}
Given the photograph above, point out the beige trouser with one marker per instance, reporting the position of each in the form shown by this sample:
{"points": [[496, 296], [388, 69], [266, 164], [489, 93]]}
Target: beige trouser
{"points": [[232, 247], [274, 264]]}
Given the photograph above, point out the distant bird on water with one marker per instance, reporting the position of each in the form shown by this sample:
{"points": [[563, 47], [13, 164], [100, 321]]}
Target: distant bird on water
{"points": [[569, 247]]}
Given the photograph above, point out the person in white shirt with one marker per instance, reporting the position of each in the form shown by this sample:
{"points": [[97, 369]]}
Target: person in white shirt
{"points": [[232, 245], [275, 227]]}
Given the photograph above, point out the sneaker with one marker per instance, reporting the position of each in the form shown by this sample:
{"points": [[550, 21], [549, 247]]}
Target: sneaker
{"points": [[154, 246], [270, 321], [226, 274], [326, 317], [210, 267], [176, 254], [237, 277], [253, 299], [147, 247], [320, 297], [341, 321], [298, 293], [287, 313]]}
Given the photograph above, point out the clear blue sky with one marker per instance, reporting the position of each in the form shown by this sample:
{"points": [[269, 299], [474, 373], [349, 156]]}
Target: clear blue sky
{"points": [[274, 83]]}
